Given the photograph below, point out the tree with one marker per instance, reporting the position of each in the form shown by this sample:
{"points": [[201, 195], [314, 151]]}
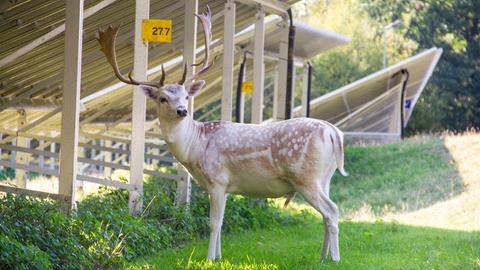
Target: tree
{"points": [[452, 98]]}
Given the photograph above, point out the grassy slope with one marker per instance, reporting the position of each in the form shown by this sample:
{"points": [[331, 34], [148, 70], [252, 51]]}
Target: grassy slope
{"points": [[363, 246], [408, 183]]}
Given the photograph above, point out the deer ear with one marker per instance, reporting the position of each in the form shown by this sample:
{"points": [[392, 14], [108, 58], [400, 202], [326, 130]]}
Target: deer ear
{"points": [[151, 92], [195, 87]]}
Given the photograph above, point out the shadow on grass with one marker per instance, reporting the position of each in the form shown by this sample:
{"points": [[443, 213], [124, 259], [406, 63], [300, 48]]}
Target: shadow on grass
{"points": [[400, 177], [362, 246]]}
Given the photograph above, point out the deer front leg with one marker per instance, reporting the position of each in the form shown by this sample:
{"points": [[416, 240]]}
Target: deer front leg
{"points": [[217, 208]]}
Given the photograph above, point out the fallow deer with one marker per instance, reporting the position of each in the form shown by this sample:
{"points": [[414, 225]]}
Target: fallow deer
{"points": [[270, 160]]}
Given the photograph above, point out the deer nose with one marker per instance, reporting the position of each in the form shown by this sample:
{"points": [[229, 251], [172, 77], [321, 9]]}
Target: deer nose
{"points": [[182, 112]]}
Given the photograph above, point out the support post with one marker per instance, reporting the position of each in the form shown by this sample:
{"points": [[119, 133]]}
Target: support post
{"points": [[292, 94], [290, 69], [242, 96], [71, 101], [1, 151], [239, 94], [81, 169], [228, 53], [282, 71], [258, 67], [52, 159], [139, 106], [304, 90], [189, 47], [41, 158], [275, 93], [107, 171], [190, 41], [21, 157]]}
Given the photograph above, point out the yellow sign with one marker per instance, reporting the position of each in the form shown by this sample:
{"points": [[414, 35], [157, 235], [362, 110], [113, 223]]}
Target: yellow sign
{"points": [[157, 30], [247, 87]]}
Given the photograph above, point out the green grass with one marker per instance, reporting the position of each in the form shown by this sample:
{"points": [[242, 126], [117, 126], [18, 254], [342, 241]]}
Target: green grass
{"points": [[404, 176], [389, 179], [362, 246]]}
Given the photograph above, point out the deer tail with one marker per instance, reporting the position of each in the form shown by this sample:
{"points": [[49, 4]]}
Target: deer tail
{"points": [[337, 142]]}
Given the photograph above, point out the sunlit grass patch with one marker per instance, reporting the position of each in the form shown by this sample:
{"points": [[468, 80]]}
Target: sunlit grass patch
{"points": [[378, 245]]}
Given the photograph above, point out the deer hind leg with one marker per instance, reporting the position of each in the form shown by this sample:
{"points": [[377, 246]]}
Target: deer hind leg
{"points": [[217, 209], [315, 196], [325, 184], [326, 239]]}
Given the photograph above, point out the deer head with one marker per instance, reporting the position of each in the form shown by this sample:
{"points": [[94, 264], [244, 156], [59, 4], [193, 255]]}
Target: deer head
{"points": [[172, 99]]}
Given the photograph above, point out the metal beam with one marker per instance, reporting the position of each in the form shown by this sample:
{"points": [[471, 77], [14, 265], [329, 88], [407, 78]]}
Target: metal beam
{"points": [[304, 90], [50, 35], [104, 182], [258, 66], [31, 125], [71, 100], [22, 158], [272, 6], [190, 40], [189, 47], [139, 106], [282, 72], [30, 103], [242, 95], [107, 157], [228, 57], [33, 193], [292, 98], [275, 93], [361, 108], [52, 159]]}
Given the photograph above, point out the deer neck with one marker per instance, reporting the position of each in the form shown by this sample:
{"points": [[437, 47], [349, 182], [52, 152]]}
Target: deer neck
{"points": [[182, 138]]}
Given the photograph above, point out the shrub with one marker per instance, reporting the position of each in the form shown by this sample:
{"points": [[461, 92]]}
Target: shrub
{"points": [[14, 255], [102, 234], [39, 223]]}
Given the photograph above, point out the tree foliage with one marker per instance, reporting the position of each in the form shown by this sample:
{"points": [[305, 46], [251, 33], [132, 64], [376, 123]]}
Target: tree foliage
{"points": [[452, 97]]}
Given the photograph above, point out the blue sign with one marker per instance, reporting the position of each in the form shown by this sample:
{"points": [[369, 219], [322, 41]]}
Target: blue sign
{"points": [[408, 103]]}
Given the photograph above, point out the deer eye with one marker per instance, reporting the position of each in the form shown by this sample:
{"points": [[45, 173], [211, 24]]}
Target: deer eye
{"points": [[186, 97], [163, 100]]}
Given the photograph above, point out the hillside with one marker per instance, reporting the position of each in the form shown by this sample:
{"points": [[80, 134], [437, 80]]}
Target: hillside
{"points": [[409, 205]]}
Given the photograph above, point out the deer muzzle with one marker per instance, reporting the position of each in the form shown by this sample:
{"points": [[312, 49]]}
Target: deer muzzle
{"points": [[182, 111]]}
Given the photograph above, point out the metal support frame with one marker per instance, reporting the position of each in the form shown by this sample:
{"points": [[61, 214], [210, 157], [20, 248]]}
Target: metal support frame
{"points": [[309, 87], [363, 107], [240, 98], [71, 101], [275, 93], [290, 88], [52, 34], [189, 46], [31, 125], [271, 6], [292, 95], [140, 62], [107, 157], [41, 158], [228, 58], [258, 66], [282, 71], [52, 159], [305, 84], [22, 158], [190, 40], [405, 77]]}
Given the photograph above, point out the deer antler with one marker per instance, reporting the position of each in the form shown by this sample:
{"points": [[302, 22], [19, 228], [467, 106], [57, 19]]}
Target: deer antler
{"points": [[206, 21], [107, 38]]}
